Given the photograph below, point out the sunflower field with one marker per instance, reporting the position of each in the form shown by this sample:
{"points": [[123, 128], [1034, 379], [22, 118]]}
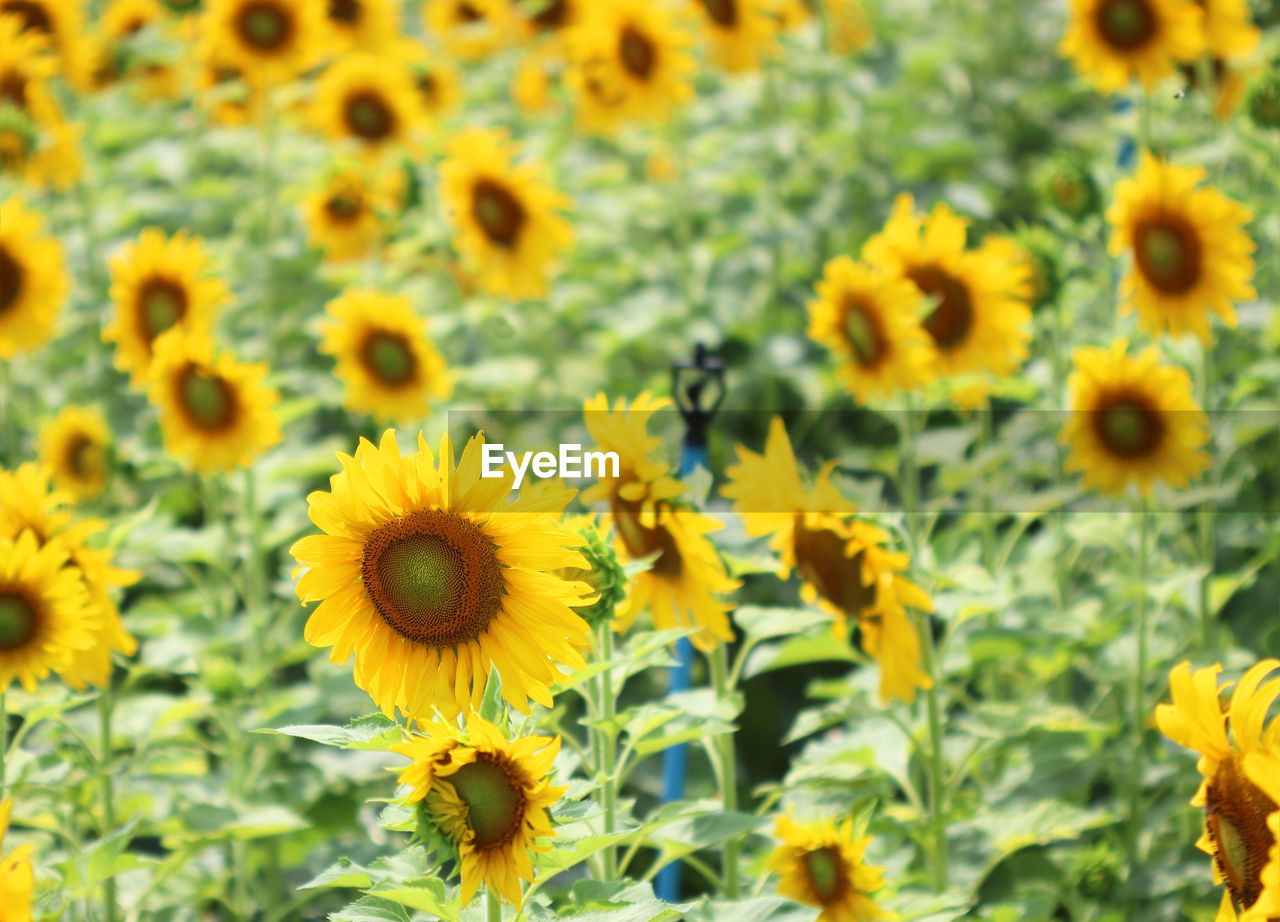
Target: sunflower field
{"points": [[639, 460]]}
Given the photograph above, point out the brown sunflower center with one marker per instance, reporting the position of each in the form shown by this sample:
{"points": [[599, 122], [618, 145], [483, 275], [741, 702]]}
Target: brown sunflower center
{"points": [[500, 214], [433, 577], [494, 798], [552, 14], [17, 620], [345, 11], [951, 319], [13, 89], [821, 559], [83, 456], [1126, 24], [34, 16], [722, 12], [638, 53], [162, 304], [1236, 812], [1128, 425], [207, 399], [643, 542], [826, 873], [368, 116], [10, 281], [388, 357], [1168, 253], [265, 25], [864, 332]]}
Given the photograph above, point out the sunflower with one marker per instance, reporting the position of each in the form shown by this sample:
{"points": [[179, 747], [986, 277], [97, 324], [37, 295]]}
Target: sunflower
{"points": [[684, 585], [871, 322], [216, 412], [507, 219], [488, 796], [367, 101], [824, 865], [17, 879], [979, 320], [1113, 41], [629, 62], [843, 562], [1132, 419], [269, 41], [431, 578], [1190, 252], [469, 29], [158, 283], [225, 93], [348, 213], [1264, 771], [389, 366], [1237, 833], [741, 32], [74, 447], [33, 280], [366, 25]]}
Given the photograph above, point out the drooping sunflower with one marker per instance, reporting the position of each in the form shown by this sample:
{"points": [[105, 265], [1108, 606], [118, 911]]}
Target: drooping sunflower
{"points": [[33, 280], [824, 865], [158, 283], [348, 213], [507, 219], [1190, 252], [979, 320], [740, 32], [1114, 41], [872, 323], [269, 41], [470, 29], [1263, 769], [1237, 833], [73, 445], [216, 412], [488, 796], [431, 578], [17, 878], [388, 364], [686, 584], [366, 25], [367, 101], [1132, 420]]}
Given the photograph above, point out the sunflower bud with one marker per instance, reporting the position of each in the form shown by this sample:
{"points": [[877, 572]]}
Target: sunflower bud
{"points": [[1264, 100], [1069, 187]]}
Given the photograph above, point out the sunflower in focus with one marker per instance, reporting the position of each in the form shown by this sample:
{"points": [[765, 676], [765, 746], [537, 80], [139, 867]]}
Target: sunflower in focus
{"points": [[33, 280], [1263, 769], [872, 323], [1113, 41], [365, 25], [389, 366], [1229, 738], [1132, 420], [824, 865], [979, 319], [365, 100], [269, 41], [469, 29], [348, 213], [216, 412], [686, 583], [432, 578], [507, 220], [73, 445], [225, 92], [489, 796], [1190, 252], [741, 32], [17, 879]]}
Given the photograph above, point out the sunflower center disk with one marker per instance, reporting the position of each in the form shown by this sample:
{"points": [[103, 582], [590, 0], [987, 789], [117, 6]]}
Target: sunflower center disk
{"points": [[1236, 812], [433, 577], [1129, 427], [951, 319], [724, 12], [10, 281], [821, 558], [823, 868], [368, 116], [389, 358], [863, 333], [500, 213], [163, 305], [33, 15], [1126, 24], [346, 11], [208, 400], [17, 620], [1168, 253], [495, 804], [637, 52], [264, 25]]}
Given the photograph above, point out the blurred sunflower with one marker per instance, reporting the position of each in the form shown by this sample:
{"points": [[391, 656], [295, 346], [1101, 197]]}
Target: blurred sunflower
{"points": [[872, 323], [684, 585], [365, 25], [1190, 252], [432, 578], [158, 283], [17, 879], [469, 29], [1263, 769], [824, 865], [225, 93], [1237, 832], [73, 445], [347, 215], [488, 796], [979, 320], [33, 280], [365, 99], [1132, 420], [506, 217], [1113, 41], [216, 412], [741, 32], [269, 41], [389, 366]]}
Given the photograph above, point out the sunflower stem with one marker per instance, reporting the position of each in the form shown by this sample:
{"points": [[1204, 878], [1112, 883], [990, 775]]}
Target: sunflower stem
{"points": [[105, 709], [609, 747], [719, 660], [1139, 694]]}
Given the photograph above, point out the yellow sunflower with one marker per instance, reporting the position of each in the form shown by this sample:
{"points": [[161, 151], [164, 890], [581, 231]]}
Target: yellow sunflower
{"points": [[158, 283], [630, 61], [225, 93], [33, 280], [490, 797], [432, 578], [269, 41], [1132, 420], [979, 319], [507, 219], [685, 584], [1190, 252], [843, 562], [470, 29], [824, 865], [73, 445], [367, 101], [1113, 41], [216, 412], [872, 323], [17, 879], [366, 25], [388, 364], [1237, 833], [1263, 770], [741, 32]]}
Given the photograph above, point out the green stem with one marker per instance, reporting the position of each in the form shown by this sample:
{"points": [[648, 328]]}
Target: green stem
{"points": [[494, 906], [105, 708], [1139, 694], [609, 753], [728, 770]]}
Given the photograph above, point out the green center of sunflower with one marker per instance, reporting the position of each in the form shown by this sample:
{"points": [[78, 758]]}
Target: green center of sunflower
{"points": [[637, 52], [495, 803], [951, 319], [10, 281], [433, 576], [722, 12], [825, 872], [499, 213], [264, 25], [163, 305], [1128, 426], [17, 620], [1126, 24], [862, 330], [388, 357], [1236, 812], [822, 559], [368, 116], [206, 398], [1167, 251], [33, 15], [344, 11]]}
